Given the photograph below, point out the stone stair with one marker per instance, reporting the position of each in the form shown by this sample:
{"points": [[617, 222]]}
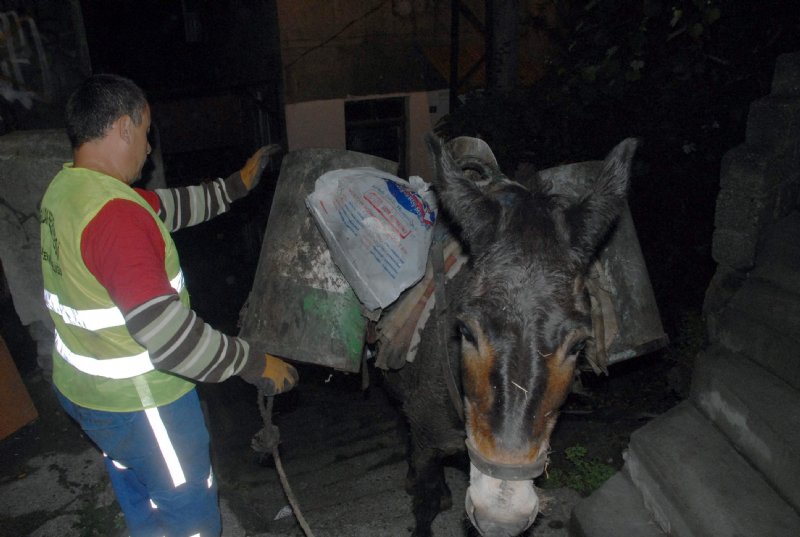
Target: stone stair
{"points": [[726, 462]]}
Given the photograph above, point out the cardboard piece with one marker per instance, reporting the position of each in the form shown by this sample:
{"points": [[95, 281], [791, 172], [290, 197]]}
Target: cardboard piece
{"points": [[16, 406]]}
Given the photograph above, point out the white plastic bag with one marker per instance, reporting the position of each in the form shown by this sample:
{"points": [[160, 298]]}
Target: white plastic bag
{"points": [[378, 228]]}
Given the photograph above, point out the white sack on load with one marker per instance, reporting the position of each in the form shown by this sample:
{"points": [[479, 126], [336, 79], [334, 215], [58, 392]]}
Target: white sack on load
{"points": [[378, 228]]}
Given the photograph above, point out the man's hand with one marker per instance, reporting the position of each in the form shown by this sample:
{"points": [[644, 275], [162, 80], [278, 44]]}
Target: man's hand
{"points": [[254, 167], [276, 376]]}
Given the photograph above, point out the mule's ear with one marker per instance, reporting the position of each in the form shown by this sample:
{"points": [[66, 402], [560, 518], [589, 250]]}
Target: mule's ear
{"points": [[445, 168], [591, 217], [474, 212]]}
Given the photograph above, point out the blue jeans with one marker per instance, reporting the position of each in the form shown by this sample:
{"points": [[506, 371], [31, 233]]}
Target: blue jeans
{"points": [[159, 464]]}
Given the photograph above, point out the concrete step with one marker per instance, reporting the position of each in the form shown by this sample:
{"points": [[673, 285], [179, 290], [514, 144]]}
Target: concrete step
{"points": [[741, 398], [616, 509], [773, 305], [778, 258], [697, 485], [762, 321]]}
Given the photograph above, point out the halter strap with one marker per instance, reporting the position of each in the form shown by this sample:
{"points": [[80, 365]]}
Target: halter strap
{"points": [[506, 472]]}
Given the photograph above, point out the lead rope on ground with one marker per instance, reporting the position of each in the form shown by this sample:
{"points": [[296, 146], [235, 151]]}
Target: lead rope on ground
{"points": [[266, 441]]}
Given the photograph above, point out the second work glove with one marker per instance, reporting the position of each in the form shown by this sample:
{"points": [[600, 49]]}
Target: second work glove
{"points": [[254, 167], [272, 375]]}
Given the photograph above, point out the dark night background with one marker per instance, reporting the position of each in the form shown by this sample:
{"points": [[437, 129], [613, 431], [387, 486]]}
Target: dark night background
{"points": [[702, 64], [680, 76]]}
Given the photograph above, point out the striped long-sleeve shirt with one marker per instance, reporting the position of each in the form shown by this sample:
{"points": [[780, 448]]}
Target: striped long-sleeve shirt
{"points": [[124, 250]]}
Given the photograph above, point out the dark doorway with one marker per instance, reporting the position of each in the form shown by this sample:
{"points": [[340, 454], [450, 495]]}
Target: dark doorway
{"points": [[378, 127]]}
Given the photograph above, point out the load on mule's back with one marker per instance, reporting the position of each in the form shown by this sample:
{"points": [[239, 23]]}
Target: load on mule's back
{"points": [[519, 316], [516, 316]]}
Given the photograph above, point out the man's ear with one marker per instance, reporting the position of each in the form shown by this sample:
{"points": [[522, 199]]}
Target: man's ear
{"points": [[124, 127]]}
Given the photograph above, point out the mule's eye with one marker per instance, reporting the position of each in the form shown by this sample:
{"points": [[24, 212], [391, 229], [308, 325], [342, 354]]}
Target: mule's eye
{"points": [[466, 333]]}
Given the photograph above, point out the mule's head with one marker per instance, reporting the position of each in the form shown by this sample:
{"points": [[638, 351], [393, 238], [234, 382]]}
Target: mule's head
{"points": [[523, 317]]}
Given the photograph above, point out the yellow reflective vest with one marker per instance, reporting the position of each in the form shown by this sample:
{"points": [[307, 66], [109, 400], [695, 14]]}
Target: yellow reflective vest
{"points": [[96, 362]]}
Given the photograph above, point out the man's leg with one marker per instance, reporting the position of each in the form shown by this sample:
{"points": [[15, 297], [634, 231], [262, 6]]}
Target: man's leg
{"points": [[186, 502], [162, 469], [134, 500], [108, 429]]}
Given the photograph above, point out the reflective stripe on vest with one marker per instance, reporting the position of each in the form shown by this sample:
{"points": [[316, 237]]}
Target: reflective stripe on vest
{"points": [[96, 319], [114, 368], [177, 282], [122, 367]]}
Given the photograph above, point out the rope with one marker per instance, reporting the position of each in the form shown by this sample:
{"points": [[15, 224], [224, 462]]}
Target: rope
{"points": [[266, 441]]}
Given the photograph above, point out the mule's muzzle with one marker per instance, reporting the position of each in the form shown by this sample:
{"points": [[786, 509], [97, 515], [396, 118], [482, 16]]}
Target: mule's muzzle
{"points": [[498, 528], [507, 472], [499, 508]]}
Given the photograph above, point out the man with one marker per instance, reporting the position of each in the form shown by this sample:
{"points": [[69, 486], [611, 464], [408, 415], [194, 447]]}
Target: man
{"points": [[128, 348]]}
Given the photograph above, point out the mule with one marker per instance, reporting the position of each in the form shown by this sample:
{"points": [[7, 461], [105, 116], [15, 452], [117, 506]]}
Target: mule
{"points": [[518, 318]]}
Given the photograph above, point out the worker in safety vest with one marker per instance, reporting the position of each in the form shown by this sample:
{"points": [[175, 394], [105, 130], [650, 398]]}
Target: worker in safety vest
{"points": [[128, 348]]}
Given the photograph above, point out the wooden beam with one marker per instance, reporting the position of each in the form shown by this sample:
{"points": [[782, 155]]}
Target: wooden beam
{"points": [[455, 21]]}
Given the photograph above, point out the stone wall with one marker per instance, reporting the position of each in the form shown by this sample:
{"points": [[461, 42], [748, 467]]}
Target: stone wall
{"points": [[759, 184], [28, 161]]}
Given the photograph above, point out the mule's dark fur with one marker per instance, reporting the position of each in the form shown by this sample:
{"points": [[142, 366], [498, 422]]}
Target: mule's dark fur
{"points": [[518, 313]]}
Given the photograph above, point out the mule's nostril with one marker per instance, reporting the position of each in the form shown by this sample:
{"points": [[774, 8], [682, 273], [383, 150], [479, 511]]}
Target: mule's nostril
{"points": [[469, 507], [531, 520]]}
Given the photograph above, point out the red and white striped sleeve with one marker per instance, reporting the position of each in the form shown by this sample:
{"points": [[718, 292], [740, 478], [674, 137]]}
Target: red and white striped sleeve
{"points": [[123, 248]]}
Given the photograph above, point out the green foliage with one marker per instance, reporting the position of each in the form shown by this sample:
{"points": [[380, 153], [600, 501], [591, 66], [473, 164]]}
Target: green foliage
{"points": [[584, 474], [668, 72]]}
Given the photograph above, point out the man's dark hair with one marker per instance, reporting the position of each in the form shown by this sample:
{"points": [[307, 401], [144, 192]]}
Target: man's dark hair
{"points": [[98, 102]]}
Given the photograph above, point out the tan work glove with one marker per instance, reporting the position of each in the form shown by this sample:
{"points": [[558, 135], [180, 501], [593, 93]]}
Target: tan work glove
{"points": [[276, 376], [254, 167]]}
